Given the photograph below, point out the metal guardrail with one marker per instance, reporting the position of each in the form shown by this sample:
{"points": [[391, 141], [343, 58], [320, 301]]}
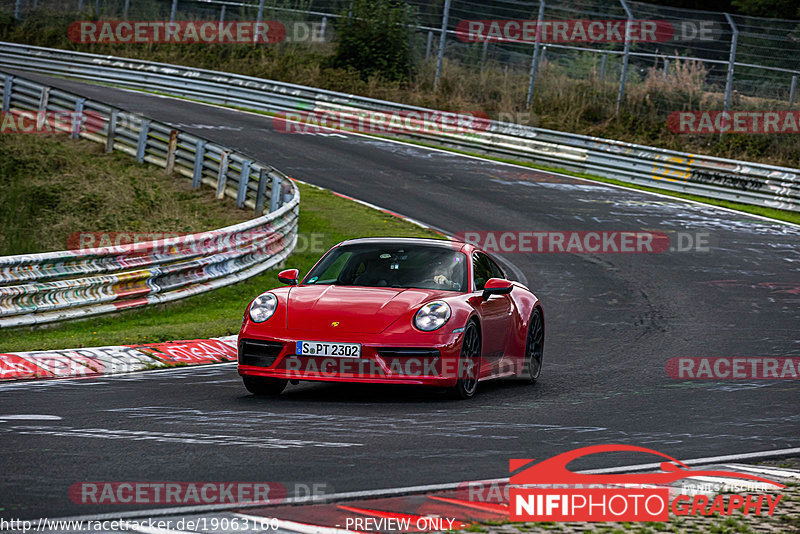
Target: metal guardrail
{"points": [[53, 286], [756, 56], [718, 178]]}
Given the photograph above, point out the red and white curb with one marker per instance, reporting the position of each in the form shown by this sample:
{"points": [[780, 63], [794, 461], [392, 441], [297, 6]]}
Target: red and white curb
{"points": [[115, 359]]}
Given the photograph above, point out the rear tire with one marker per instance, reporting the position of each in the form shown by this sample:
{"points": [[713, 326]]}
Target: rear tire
{"points": [[264, 387], [534, 347], [468, 364]]}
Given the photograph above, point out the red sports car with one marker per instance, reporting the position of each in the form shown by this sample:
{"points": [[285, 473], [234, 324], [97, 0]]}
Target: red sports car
{"points": [[393, 311]]}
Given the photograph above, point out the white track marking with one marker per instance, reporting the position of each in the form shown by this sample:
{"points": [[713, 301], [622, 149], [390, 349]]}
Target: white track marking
{"points": [[768, 471], [176, 437], [707, 460], [29, 417]]}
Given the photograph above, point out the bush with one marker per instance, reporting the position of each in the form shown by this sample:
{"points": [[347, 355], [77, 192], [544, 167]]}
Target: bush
{"points": [[375, 39]]}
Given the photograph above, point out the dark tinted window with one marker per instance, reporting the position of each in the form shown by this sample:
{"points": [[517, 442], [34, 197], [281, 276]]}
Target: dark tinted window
{"points": [[485, 268], [481, 266], [497, 272], [392, 265]]}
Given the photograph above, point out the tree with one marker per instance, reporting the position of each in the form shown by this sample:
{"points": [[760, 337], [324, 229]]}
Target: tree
{"points": [[375, 38], [778, 9]]}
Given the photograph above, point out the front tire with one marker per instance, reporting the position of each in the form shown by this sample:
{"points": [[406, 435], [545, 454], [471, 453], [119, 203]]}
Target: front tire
{"points": [[264, 387], [468, 364], [534, 348]]}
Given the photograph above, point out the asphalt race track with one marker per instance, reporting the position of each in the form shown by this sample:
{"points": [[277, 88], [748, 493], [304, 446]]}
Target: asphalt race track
{"points": [[613, 321]]}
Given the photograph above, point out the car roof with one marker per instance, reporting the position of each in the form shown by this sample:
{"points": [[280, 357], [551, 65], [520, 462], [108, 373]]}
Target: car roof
{"points": [[444, 243]]}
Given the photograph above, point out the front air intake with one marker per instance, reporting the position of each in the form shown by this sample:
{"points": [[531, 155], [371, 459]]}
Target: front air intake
{"points": [[258, 353]]}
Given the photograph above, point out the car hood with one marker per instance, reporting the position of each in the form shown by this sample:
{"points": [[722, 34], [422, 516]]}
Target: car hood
{"points": [[366, 310]]}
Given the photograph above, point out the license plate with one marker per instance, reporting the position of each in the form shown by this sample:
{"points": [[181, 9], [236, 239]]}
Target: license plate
{"points": [[323, 348]]}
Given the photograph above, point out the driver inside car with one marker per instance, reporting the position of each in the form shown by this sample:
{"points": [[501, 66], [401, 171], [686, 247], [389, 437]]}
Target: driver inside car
{"points": [[443, 275]]}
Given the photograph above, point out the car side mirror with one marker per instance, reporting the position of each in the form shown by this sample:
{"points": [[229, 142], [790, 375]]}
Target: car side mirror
{"points": [[289, 276], [496, 286]]}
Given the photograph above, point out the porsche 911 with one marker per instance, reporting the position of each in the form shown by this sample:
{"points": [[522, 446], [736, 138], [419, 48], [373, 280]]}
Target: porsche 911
{"points": [[393, 311]]}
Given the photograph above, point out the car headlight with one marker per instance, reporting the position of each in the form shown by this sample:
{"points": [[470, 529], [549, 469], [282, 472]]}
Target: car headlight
{"points": [[432, 316], [263, 307]]}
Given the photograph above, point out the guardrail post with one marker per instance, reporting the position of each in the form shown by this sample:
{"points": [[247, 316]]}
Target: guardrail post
{"points": [[174, 11], [603, 67], [97, 7], [172, 147], [792, 89], [7, 87], [442, 44], [112, 130], [323, 28], [199, 157], [626, 55], [731, 63], [244, 179], [144, 130], [263, 176], [18, 10], [258, 18], [535, 60], [44, 98], [428, 45], [125, 9], [275, 193], [484, 51], [221, 17], [77, 118], [666, 67], [222, 177], [80, 6]]}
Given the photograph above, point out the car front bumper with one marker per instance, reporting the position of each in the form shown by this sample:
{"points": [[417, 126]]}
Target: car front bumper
{"points": [[414, 359]]}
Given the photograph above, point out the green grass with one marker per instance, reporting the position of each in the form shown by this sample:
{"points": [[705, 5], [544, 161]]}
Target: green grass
{"points": [[219, 312], [53, 187]]}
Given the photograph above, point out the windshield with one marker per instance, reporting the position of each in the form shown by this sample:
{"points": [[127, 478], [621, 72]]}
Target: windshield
{"points": [[392, 265]]}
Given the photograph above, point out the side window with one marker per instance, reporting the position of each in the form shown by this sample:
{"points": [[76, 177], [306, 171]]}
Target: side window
{"points": [[482, 270], [497, 272]]}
